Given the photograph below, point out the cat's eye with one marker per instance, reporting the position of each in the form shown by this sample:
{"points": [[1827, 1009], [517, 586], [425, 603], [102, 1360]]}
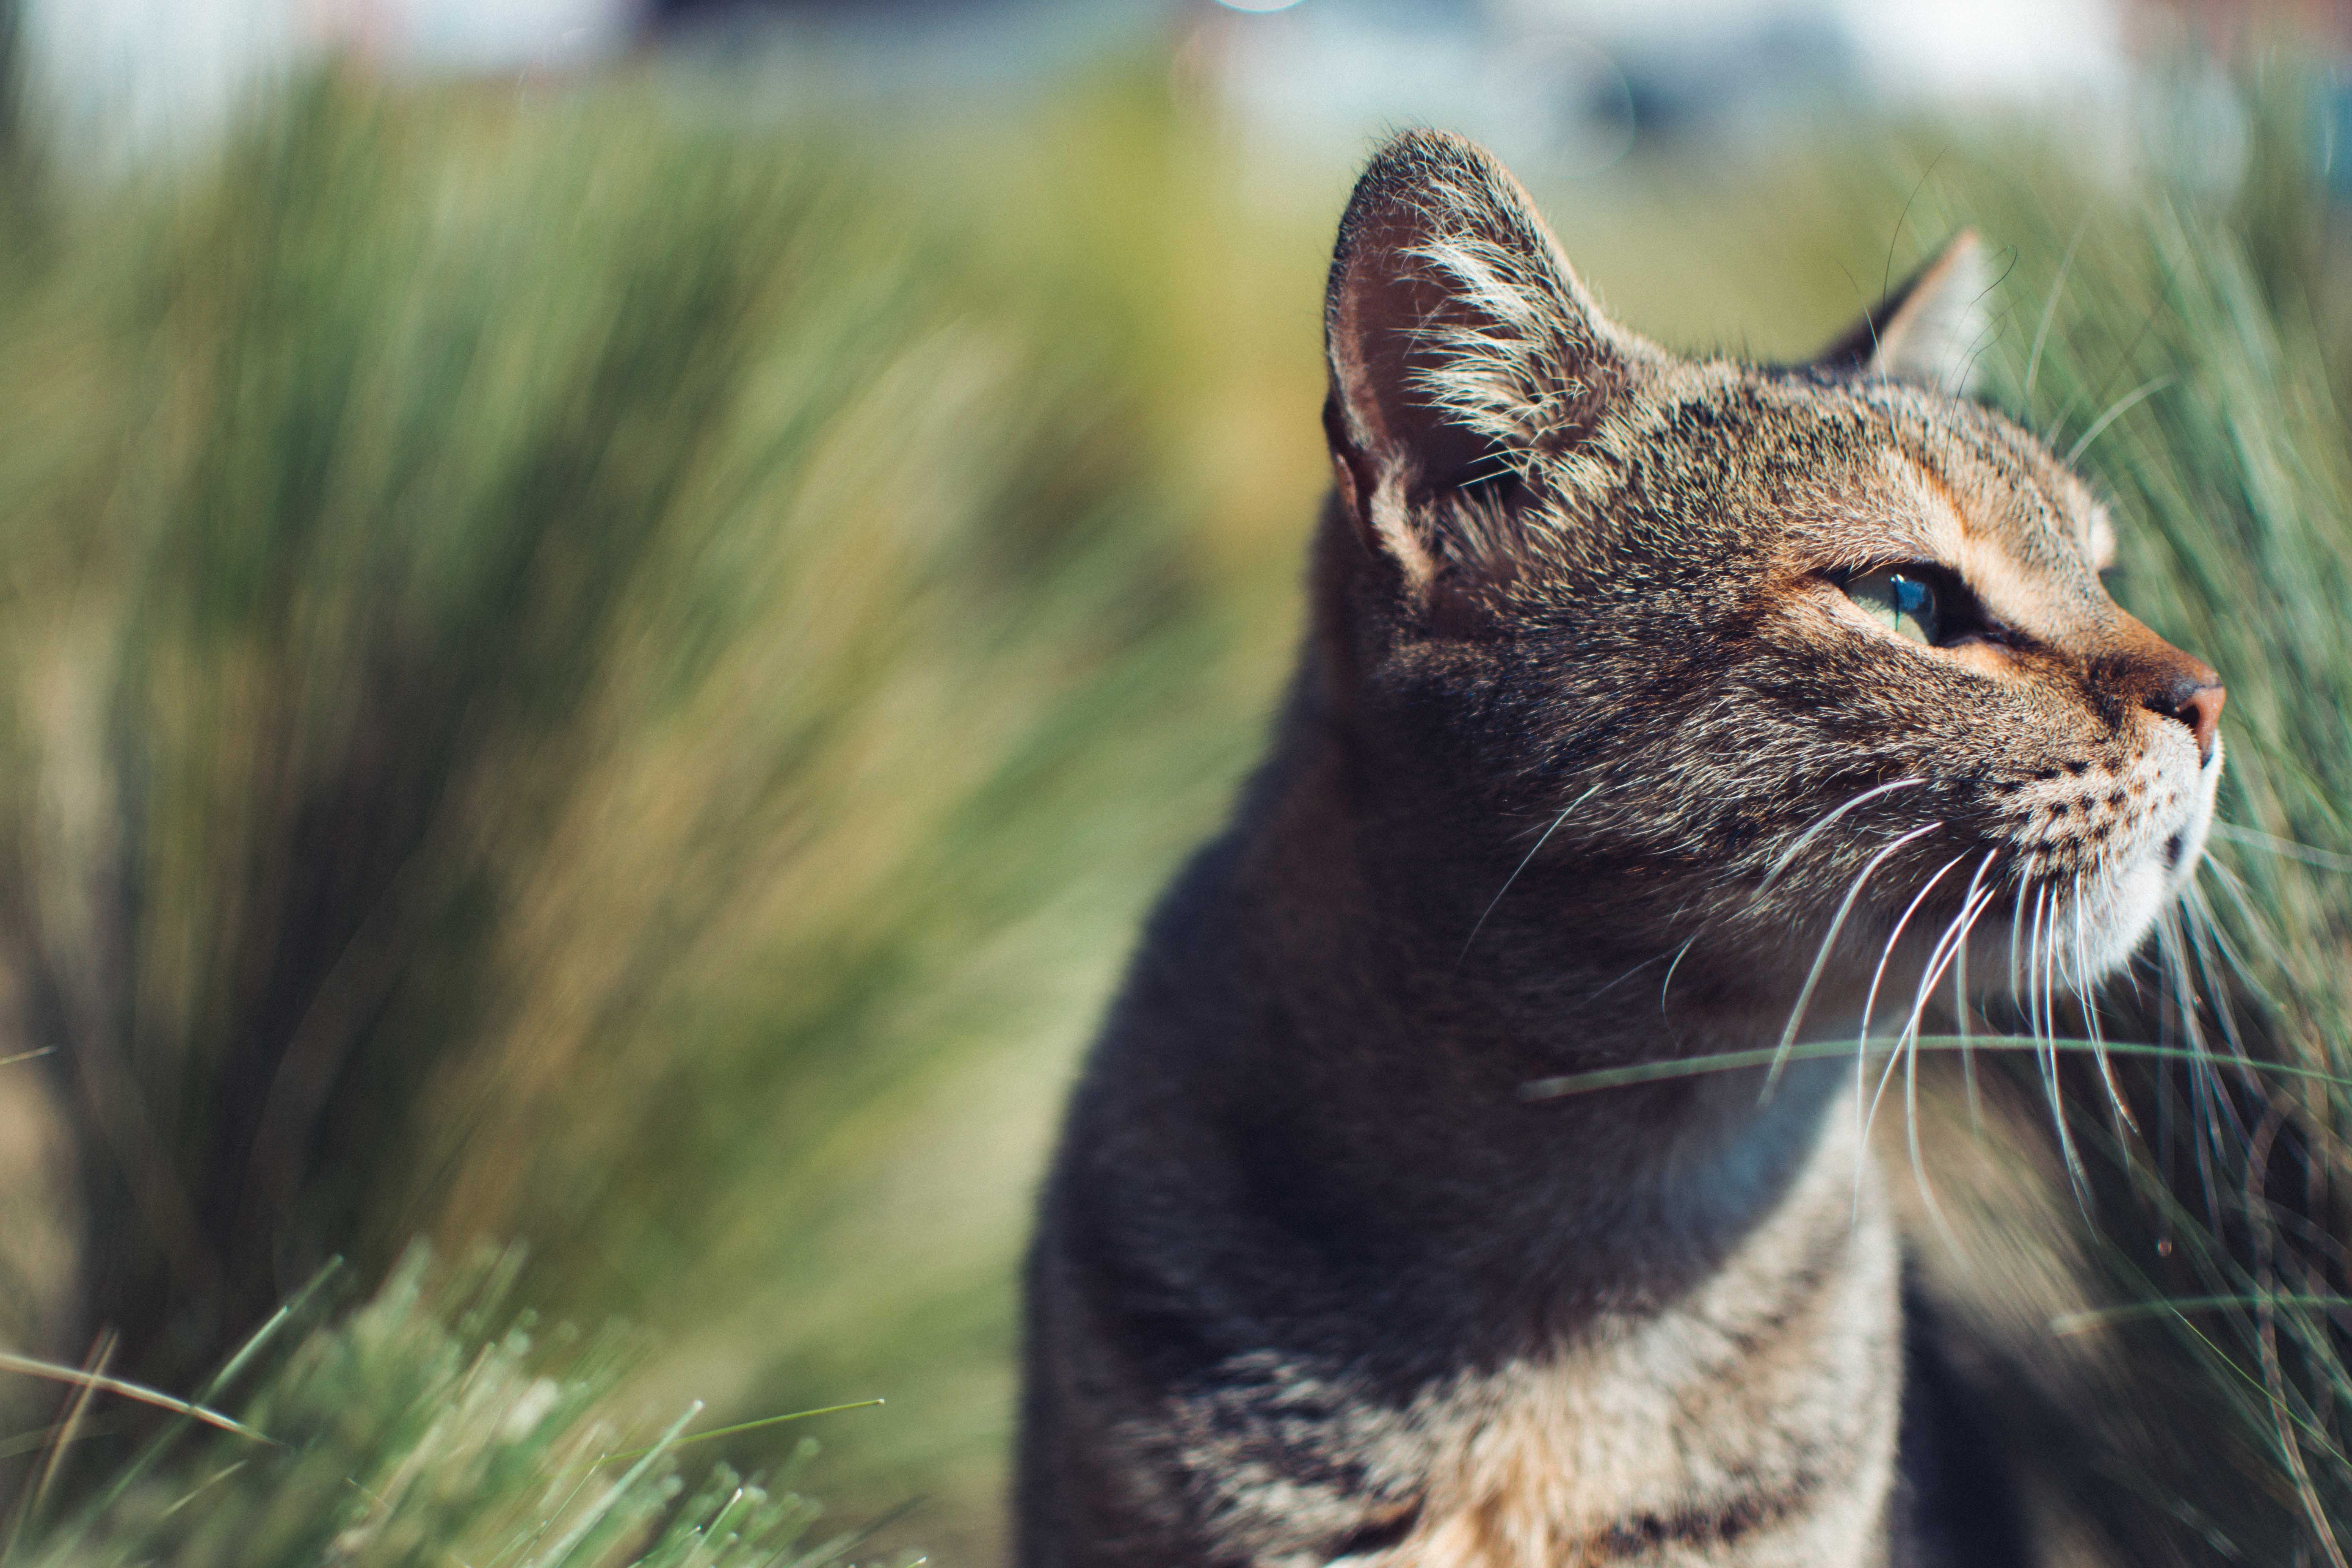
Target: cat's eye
{"points": [[1905, 601]]}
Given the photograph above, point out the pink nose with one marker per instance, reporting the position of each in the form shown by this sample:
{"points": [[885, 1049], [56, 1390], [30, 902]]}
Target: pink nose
{"points": [[2196, 702]]}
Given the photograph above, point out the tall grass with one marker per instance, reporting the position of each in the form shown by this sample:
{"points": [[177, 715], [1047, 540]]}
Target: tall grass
{"points": [[580, 677], [2171, 332], [426, 1427]]}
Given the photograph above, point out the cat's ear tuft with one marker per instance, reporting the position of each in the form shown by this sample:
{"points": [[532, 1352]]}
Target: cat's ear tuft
{"points": [[1460, 350], [1931, 329]]}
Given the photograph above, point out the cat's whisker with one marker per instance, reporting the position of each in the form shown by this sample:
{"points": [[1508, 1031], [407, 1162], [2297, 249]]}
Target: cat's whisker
{"points": [[2058, 977], [1664, 985], [1949, 949], [1918, 1158], [1628, 975], [2086, 1000], [2052, 956], [2017, 929], [2078, 956], [1886, 953], [2042, 973], [2020, 979], [1822, 958], [1961, 1007], [2032, 991], [2053, 959], [1955, 932], [1797, 848], [1911, 1082], [1531, 854], [1866, 1118]]}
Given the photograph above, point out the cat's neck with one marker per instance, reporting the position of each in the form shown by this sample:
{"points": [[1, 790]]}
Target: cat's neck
{"points": [[1387, 1075]]}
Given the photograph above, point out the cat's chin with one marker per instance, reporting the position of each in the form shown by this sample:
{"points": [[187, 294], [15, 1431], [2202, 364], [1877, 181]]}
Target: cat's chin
{"points": [[2115, 917], [2184, 852]]}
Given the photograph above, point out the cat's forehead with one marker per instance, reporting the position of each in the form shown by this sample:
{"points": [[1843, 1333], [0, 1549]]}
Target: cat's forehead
{"points": [[1875, 470]]}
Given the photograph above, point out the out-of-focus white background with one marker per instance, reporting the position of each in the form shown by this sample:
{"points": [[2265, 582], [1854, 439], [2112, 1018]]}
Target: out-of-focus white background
{"points": [[139, 77]]}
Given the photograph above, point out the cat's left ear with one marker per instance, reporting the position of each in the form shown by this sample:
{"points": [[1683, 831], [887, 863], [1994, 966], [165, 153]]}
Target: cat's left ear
{"points": [[1931, 328], [1463, 353]]}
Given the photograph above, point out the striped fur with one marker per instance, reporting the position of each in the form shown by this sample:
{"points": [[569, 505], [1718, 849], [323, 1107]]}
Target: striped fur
{"points": [[1593, 760]]}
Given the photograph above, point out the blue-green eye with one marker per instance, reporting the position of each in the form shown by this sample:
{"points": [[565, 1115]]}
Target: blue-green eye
{"points": [[1903, 602]]}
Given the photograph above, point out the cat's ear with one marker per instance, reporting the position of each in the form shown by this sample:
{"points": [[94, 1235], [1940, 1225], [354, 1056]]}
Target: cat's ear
{"points": [[1461, 349], [1930, 331]]}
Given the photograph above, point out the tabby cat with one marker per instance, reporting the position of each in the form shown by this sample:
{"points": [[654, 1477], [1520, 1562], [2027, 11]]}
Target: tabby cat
{"points": [[1652, 708]]}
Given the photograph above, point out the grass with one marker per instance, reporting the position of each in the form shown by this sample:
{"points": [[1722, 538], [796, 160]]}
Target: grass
{"points": [[559, 674], [2185, 359], [583, 674], [425, 1426]]}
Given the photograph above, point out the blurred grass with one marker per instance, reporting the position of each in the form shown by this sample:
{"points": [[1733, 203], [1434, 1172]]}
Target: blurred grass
{"points": [[581, 675], [2176, 337], [579, 671], [429, 1426]]}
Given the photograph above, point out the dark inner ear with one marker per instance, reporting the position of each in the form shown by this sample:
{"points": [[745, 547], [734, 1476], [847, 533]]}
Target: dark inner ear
{"points": [[1463, 354], [1389, 321]]}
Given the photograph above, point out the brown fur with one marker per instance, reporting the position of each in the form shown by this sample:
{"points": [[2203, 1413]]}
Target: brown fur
{"points": [[1591, 760]]}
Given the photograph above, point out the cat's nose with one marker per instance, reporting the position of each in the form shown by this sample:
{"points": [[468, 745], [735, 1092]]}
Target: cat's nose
{"points": [[2192, 696], [2141, 667]]}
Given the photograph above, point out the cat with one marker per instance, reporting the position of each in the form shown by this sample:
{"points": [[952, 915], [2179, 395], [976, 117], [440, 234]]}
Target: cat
{"points": [[1651, 708]]}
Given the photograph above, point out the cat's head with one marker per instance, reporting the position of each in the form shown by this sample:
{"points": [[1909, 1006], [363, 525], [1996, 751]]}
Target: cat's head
{"points": [[1724, 648]]}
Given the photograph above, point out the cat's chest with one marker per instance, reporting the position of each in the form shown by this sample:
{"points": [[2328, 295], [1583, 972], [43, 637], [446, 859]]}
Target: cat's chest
{"points": [[1753, 1424], [1749, 1424]]}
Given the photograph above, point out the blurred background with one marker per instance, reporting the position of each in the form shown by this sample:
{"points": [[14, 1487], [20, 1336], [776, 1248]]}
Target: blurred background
{"points": [[612, 611]]}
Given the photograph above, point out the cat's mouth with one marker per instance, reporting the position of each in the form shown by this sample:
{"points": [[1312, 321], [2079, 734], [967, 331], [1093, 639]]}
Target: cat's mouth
{"points": [[2099, 865]]}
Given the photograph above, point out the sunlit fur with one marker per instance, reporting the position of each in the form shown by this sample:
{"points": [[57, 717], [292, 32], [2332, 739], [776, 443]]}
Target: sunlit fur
{"points": [[1657, 539], [1590, 762]]}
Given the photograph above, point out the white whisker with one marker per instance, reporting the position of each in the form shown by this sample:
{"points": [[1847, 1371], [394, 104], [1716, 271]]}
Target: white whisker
{"points": [[2045, 1030], [1954, 935], [2083, 988], [2016, 929], [1870, 1000], [1663, 984], [1822, 958], [1886, 953], [1960, 1006], [1522, 866], [1806, 836], [1949, 944]]}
